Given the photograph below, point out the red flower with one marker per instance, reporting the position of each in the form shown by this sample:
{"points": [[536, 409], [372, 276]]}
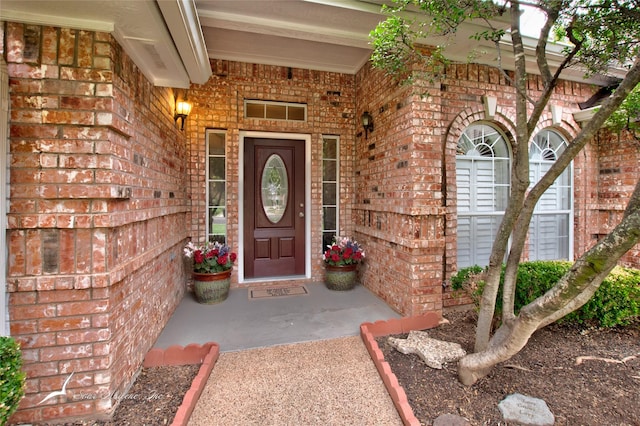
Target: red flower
{"points": [[335, 257], [347, 253], [222, 260], [233, 257], [210, 255], [357, 255], [198, 257]]}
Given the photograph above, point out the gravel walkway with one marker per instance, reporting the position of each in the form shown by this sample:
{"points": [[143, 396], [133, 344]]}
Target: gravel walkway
{"points": [[328, 382]]}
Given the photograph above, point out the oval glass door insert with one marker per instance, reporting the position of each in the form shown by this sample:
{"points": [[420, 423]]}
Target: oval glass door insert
{"points": [[275, 188]]}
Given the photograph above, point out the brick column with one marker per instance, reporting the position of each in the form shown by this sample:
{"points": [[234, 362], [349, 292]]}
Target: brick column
{"points": [[97, 217]]}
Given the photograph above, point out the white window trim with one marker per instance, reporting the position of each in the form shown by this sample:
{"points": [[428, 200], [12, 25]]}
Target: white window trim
{"points": [[307, 201], [4, 201]]}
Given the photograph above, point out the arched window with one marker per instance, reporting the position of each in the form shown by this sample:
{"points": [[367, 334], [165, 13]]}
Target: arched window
{"points": [[551, 231], [482, 176]]}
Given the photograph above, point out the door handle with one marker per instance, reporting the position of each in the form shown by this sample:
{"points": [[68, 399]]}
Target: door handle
{"points": [[301, 214]]}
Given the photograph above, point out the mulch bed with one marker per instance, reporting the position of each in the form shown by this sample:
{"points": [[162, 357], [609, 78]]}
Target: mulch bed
{"points": [[597, 391], [153, 399]]}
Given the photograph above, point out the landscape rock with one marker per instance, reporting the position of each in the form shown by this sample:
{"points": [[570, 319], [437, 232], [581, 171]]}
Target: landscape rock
{"points": [[525, 410], [433, 352], [451, 420]]}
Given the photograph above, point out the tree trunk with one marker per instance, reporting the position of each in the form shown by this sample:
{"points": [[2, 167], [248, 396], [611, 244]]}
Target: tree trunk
{"points": [[573, 290], [519, 185]]}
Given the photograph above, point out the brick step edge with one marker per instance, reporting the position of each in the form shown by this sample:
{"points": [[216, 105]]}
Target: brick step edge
{"points": [[369, 332], [206, 355]]}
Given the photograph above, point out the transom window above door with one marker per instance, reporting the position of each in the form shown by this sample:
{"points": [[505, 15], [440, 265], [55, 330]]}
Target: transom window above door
{"points": [[270, 110]]}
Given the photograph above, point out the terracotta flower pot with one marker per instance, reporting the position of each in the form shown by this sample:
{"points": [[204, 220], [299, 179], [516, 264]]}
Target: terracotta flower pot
{"points": [[211, 288], [340, 277]]}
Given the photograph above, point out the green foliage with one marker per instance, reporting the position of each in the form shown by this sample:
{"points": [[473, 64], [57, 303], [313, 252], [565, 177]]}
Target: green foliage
{"points": [[616, 302], [11, 378], [462, 278], [607, 31], [396, 41], [535, 278], [600, 33], [628, 115]]}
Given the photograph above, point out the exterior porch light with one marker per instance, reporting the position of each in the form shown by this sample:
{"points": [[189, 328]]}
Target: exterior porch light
{"points": [[183, 108], [367, 123]]}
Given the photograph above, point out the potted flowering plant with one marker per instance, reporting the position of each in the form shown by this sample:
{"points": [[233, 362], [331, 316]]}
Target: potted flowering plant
{"points": [[212, 266], [341, 261]]}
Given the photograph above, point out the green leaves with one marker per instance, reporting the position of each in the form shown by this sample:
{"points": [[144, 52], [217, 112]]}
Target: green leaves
{"points": [[616, 302], [607, 32], [628, 115], [11, 378], [392, 45]]}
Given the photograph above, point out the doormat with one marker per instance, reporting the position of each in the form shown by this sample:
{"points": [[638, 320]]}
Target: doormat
{"points": [[272, 292]]}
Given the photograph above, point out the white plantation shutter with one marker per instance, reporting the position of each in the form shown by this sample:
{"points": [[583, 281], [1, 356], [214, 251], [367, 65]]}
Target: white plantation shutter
{"points": [[550, 234], [481, 178]]}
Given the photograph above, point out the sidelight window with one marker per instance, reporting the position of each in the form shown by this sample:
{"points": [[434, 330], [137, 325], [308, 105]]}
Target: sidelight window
{"points": [[330, 193], [216, 188]]}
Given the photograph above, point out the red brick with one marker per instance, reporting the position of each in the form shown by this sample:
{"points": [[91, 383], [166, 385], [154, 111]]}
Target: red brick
{"points": [[23, 327], [89, 336], [81, 308], [61, 324], [22, 312], [63, 296], [67, 117], [56, 353]]}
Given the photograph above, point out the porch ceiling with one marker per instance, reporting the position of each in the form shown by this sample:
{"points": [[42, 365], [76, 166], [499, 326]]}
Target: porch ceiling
{"points": [[172, 40]]}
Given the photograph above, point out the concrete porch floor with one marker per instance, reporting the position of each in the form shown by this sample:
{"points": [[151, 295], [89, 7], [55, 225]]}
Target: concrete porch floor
{"points": [[239, 323]]}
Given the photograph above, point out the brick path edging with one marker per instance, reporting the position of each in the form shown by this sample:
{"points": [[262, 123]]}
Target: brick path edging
{"points": [[369, 331], [206, 355]]}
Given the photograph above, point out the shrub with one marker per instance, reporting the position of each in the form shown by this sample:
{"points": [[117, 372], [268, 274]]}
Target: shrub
{"points": [[616, 302], [11, 378]]}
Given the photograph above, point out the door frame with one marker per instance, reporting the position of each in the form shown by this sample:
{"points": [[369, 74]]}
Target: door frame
{"points": [[307, 202], [4, 171]]}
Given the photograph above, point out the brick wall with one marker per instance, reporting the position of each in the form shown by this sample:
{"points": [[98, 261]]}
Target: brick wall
{"points": [[615, 177], [97, 216], [398, 209], [406, 192], [219, 104]]}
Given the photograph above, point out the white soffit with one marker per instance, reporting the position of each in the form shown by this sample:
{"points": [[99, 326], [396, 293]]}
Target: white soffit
{"points": [[319, 35], [182, 20]]}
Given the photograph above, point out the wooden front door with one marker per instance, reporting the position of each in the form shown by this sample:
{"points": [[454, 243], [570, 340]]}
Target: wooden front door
{"points": [[274, 185]]}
